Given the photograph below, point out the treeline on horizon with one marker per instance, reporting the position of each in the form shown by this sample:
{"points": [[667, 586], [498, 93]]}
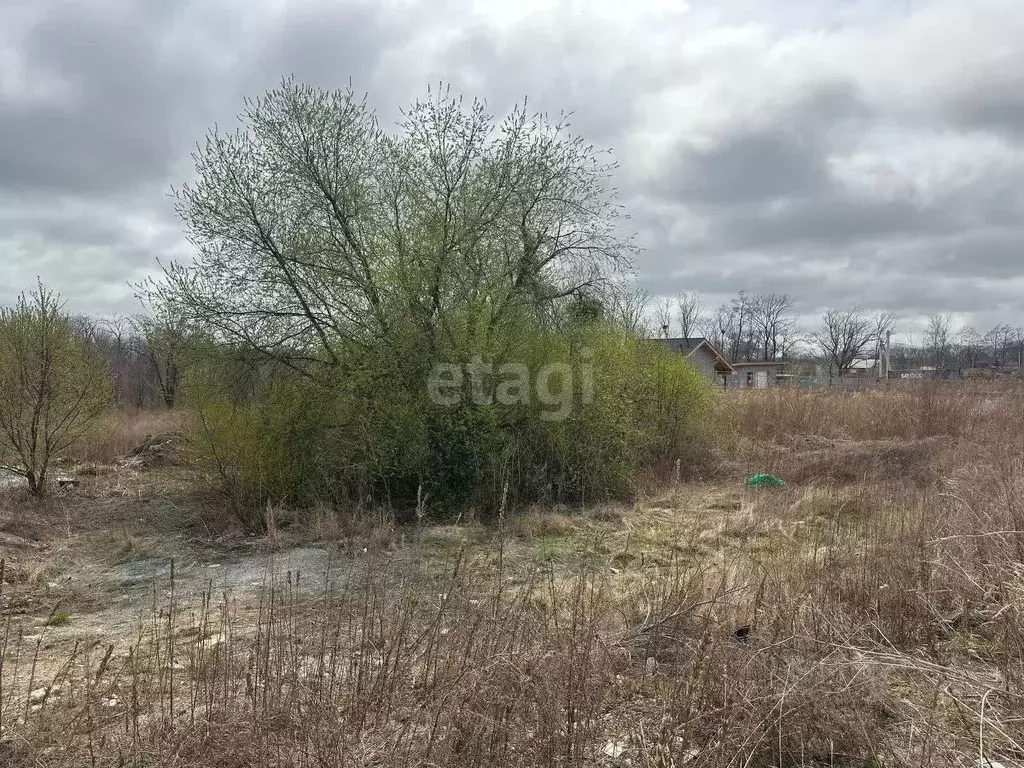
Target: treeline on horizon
{"points": [[754, 327], [146, 355]]}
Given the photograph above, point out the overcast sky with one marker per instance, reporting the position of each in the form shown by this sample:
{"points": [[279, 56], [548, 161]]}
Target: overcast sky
{"points": [[843, 151]]}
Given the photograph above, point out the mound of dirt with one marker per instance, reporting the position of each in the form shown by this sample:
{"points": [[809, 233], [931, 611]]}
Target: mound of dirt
{"points": [[850, 461], [166, 449]]}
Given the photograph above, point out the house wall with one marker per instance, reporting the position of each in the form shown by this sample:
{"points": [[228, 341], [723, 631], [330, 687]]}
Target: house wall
{"points": [[763, 375], [705, 361]]}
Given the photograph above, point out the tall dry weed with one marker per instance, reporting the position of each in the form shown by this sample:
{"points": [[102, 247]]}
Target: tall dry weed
{"points": [[903, 411], [117, 435]]}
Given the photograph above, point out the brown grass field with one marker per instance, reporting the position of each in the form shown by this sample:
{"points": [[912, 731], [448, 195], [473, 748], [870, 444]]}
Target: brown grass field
{"points": [[871, 613]]}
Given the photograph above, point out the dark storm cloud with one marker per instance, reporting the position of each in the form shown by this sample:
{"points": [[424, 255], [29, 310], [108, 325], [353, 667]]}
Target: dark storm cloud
{"points": [[144, 81], [72, 229], [831, 218], [783, 155], [990, 254], [768, 183], [996, 106], [770, 212], [559, 68], [832, 156], [138, 84], [764, 165], [114, 129]]}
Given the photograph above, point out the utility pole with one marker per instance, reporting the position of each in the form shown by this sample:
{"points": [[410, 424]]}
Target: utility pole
{"points": [[888, 337], [879, 355]]}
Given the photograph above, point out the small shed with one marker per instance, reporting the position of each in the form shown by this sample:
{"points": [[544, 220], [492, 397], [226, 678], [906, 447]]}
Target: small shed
{"points": [[757, 375]]}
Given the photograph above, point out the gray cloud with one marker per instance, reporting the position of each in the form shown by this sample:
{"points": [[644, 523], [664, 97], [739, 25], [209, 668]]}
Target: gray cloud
{"points": [[116, 126], [836, 154], [830, 219], [781, 156], [996, 106]]}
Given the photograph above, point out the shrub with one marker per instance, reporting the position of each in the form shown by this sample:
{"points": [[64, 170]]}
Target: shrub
{"points": [[611, 411], [51, 389], [347, 279]]}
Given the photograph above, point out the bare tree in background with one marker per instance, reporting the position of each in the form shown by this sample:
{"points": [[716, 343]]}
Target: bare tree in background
{"points": [[84, 327], [970, 347], [937, 338], [627, 307], [752, 327], [166, 340], [1011, 346], [790, 342], [663, 317], [998, 342], [843, 336], [740, 310], [718, 328], [770, 318], [120, 344], [688, 313]]}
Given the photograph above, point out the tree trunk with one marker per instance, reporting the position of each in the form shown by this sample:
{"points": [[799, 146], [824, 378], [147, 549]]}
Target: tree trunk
{"points": [[33, 483]]}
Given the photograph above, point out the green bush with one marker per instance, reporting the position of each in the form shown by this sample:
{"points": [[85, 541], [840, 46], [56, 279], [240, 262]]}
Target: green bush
{"points": [[352, 262], [649, 408], [52, 388], [618, 412]]}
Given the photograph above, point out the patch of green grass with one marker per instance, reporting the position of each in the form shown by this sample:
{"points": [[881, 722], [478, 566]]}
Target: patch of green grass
{"points": [[58, 619]]}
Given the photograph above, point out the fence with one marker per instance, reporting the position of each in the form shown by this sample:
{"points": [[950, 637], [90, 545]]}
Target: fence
{"points": [[857, 383]]}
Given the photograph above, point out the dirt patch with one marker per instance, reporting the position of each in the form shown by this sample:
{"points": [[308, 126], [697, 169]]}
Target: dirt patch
{"points": [[310, 566], [126, 596], [166, 449]]}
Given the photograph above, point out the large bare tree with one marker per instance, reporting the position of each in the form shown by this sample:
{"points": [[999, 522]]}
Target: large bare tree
{"points": [[770, 315], [938, 338], [688, 313], [318, 232], [845, 334]]}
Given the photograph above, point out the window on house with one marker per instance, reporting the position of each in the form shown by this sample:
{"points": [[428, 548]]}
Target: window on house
{"points": [[750, 378]]}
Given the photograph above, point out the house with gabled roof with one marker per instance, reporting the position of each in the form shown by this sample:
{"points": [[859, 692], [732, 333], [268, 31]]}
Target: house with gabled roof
{"points": [[703, 354]]}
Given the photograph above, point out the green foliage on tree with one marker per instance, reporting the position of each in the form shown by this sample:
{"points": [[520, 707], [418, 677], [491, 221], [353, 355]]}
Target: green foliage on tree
{"points": [[51, 389], [371, 440], [339, 265]]}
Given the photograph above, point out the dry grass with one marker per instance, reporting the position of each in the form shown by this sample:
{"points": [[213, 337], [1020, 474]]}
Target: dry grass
{"points": [[122, 432], [868, 614], [902, 411]]}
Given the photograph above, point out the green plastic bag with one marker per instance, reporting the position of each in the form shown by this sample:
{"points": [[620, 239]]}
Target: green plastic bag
{"points": [[765, 480]]}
